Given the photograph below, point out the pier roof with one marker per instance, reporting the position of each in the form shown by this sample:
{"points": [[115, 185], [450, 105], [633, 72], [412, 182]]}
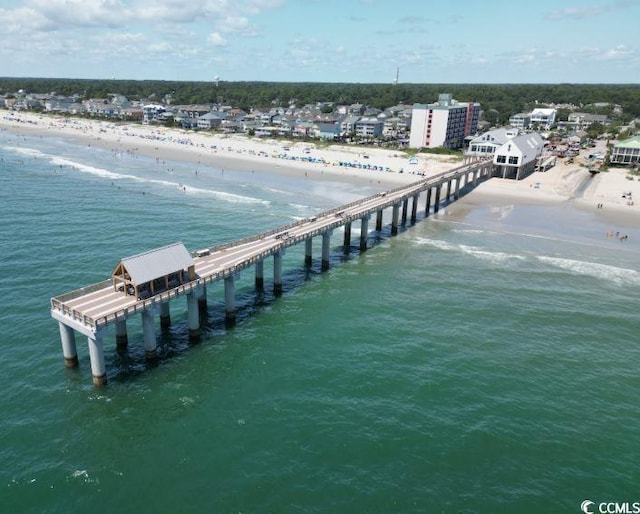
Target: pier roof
{"points": [[160, 262]]}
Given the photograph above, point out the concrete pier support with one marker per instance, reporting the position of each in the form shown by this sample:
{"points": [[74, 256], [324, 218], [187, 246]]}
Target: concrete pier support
{"points": [[427, 209], [308, 252], [456, 193], [405, 208], [379, 221], [436, 203], [347, 236], [394, 219], [165, 315], [122, 340], [414, 208], [277, 273], [193, 316], [68, 339], [230, 300], [149, 334], [448, 197], [96, 355], [364, 232], [260, 275], [202, 298], [326, 241]]}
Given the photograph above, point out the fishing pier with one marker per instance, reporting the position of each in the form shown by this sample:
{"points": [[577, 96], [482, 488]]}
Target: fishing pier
{"points": [[145, 284]]}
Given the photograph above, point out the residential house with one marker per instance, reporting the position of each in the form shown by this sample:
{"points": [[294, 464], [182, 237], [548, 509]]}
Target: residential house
{"points": [[395, 127], [543, 118], [626, 152], [209, 121], [368, 128], [152, 113], [348, 125], [520, 121], [583, 120], [326, 131], [303, 129], [131, 113], [517, 157], [485, 145]]}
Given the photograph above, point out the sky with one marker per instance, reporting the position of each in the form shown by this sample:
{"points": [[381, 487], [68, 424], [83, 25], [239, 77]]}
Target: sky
{"points": [[354, 41]]}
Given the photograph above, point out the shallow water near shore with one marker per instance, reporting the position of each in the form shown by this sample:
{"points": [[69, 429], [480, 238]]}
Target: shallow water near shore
{"points": [[484, 360]]}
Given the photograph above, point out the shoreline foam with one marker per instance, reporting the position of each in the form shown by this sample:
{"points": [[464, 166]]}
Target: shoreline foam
{"points": [[561, 183]]}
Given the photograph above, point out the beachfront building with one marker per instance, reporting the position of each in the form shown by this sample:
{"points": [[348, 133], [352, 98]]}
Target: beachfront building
{"points": [[368, 128], [326, 131], [445, 123], [583, 120], [485, 145], [348, 125], [152, 113], [626, 152], [543, 118], [537, 119], [520, 121], [211, 120], [517, 158], [395, 127]]}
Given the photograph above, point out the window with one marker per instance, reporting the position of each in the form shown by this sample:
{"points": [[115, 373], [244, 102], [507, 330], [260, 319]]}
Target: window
{"points": [[513, 159], [501, 159]]}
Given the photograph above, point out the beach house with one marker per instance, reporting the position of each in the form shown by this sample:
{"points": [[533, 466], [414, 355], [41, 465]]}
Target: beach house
{"points": [[485, 145], [517, 158], [626, 152]]}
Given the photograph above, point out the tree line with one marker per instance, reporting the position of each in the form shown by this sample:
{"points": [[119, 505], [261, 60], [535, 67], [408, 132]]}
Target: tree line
{"points": [[498, 101]]}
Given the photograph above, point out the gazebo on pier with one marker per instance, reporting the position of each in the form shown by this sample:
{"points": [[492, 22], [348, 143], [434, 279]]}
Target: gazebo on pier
{"points": [[152, 272]]}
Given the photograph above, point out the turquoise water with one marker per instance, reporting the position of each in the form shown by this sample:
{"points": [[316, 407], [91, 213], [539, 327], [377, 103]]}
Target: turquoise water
{"points": [[484, 360]]}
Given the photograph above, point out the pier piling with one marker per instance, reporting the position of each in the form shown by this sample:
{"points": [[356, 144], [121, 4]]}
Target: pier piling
{"points": [[230, 300], [121, 334], [347, 236], [149, 334], [96, 355], [68, 340], [165, 315], [259, 275], [308, 252], [277, 273], [326, 240], [193, 316], [394, 219], [364, 232]]}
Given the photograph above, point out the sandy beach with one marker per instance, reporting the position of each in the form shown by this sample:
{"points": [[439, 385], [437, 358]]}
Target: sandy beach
{"points": [[239, 152], [611, 192]]}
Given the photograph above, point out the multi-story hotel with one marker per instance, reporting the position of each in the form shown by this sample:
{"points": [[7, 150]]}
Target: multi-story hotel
{"points": [[445, 123]]}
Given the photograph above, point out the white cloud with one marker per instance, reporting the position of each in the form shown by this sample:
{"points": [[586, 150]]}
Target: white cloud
{"points": [[590, 11], [215, 39], [619, 52]]}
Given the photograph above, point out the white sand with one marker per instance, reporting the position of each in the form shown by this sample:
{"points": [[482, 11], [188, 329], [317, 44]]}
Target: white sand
{"points": [[237, 151], [561, 183]]}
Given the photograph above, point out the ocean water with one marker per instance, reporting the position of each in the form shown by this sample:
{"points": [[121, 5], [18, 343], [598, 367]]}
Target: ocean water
{"points": [[484, 360]]}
